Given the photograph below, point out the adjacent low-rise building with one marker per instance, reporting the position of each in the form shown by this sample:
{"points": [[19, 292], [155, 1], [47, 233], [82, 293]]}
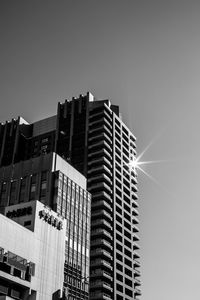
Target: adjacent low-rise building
{"points": [[32, 252]]}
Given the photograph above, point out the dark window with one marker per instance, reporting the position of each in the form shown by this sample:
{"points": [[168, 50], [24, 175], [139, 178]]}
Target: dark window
{"points": [[13, 192], [119, 247], [118, 210], [128, 272], [118, 219], [128, 282], [127, 225], [119, 237], [119, 267], [118, 228], [127, 243], [119, 287], [27, 223], [129, 292], [119, 257], [128, 253], [22, 190], [119, 277], [128, 262]]}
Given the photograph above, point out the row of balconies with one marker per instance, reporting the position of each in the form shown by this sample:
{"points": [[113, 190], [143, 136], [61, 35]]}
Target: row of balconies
{"points": [[101, 263], [100, 252], [101, 242], [100, 295], [102, 204], [102, 196], [100, 231], [98, 122], [100, 177], [101, 223], [96, 170], [101, 273], [99, 145], [95, 114], [99, 284], [101, 186], [102, 213]]}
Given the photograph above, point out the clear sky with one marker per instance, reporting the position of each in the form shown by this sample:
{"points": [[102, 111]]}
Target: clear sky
{"points": [[145, 57]]}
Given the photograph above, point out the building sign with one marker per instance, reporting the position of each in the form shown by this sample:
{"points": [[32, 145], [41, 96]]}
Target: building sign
{"points": [[50, 219], [20, 212]]}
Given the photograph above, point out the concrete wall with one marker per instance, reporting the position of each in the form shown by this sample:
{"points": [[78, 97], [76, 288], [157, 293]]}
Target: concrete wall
{"points": [[45, 246]]}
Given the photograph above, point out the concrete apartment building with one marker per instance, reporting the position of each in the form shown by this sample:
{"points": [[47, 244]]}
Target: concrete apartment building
{"points": [[90, 136]]}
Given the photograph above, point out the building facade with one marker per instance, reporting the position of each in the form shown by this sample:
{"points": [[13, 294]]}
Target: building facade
{"points": [[90, 135], [32, 252], [59, 186]]}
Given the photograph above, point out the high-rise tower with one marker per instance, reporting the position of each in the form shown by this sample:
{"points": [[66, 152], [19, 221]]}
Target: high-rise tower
{"points": [[94, 139], [90, 135]]}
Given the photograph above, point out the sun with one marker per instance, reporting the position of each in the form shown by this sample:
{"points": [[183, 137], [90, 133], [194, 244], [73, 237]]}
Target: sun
{"points": [[133, 163]]}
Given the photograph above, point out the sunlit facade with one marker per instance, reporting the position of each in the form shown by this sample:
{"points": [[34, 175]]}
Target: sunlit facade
{"points": [[32, 252]]}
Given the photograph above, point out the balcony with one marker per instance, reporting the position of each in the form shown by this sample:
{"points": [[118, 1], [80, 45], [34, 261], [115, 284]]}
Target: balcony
{"points": [[101, 252], [135, 238], [134, 195], [136, 264], [138, 292], [102, 242], [102, 204], [97, 296], [136, 246], [100, 223], [135, 229], [98, 284], [136, 272], [135, 255], [101, 213], [99, 232], [134, 203], [93, 171], [135, 220], [101, 273], [134, 212], [100, 136], [99, 178], [101, 262], [98, 187], [102, 196], [137, 282], [102, 144]]}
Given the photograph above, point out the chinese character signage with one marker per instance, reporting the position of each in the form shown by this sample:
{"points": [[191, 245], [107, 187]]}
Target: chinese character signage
{"points": [[50, 219]]}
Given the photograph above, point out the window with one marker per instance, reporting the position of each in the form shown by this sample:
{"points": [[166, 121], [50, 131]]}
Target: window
{"points": [[22, 190], [119, 237], [128, 253], [33, 187], [128, 272], [119, 247], [13, 192], [128, 282], [119, 267], [129, 292], [27, 223], [118, 228], [119, 287], [128, 262], [127, 243], [119, 256], [119, 277]]}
